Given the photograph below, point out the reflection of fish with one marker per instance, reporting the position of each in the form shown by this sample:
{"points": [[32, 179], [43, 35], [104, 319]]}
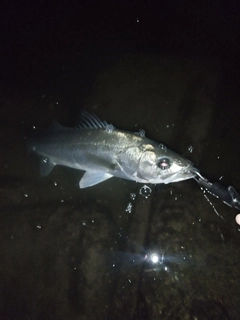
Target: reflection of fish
{"points": [[103, 151]]}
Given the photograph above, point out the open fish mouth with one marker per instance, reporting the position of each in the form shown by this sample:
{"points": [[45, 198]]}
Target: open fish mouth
{"points": [[193, 171], [188, 173], [184, 174]]}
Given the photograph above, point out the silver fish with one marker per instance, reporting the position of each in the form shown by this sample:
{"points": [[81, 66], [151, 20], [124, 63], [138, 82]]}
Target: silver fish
{"points": [[103, 152]]}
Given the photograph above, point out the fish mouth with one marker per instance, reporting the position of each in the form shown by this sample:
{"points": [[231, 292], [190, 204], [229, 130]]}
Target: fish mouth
{"points": [[193, 171], [188, 172]]}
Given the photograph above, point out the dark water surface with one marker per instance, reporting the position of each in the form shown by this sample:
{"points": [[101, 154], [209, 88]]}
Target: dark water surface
{"points": [[68, 253]]}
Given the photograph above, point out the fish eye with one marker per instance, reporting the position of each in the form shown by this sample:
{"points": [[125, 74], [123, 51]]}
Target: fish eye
{"points": [[164, 164]]}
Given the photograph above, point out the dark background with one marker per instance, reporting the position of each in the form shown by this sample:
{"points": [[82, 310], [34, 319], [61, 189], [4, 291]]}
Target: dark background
{"points": [[41, 42], [32, 32]]}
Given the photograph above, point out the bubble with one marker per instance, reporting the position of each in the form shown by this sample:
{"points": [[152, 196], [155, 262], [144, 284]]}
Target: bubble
{"points": [[145, 191]]}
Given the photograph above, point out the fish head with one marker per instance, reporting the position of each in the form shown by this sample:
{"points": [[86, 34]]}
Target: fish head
{"points": [[159, 164]]}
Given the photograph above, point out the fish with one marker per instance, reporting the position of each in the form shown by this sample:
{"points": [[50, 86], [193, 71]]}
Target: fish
{"points": [[103, 152]]}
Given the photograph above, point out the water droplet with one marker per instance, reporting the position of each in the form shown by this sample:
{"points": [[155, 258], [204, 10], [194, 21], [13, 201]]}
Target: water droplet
{"points": [[129, 208], [110, 128], [140, 133], [162, 146], [133, 196], [190, 149]]}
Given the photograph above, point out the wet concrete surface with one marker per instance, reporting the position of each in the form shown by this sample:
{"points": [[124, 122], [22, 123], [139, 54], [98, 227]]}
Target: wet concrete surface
{"points": [[78, 254]]}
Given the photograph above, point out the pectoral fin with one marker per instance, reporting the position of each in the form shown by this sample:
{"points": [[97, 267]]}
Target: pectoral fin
{"points": [[90, 178]]}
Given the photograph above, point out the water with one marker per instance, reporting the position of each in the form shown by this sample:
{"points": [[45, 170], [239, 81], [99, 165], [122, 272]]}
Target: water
{"points": [[122, 250]]}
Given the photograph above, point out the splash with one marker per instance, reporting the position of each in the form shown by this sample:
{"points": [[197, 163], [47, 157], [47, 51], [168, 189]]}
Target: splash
{"points": [[211, 204]]}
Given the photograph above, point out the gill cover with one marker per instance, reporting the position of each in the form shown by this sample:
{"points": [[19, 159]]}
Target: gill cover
{"points": [[147, 165]]}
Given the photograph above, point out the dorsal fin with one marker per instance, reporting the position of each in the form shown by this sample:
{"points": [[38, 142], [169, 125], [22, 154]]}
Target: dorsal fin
{"points": [[91, 121]]}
